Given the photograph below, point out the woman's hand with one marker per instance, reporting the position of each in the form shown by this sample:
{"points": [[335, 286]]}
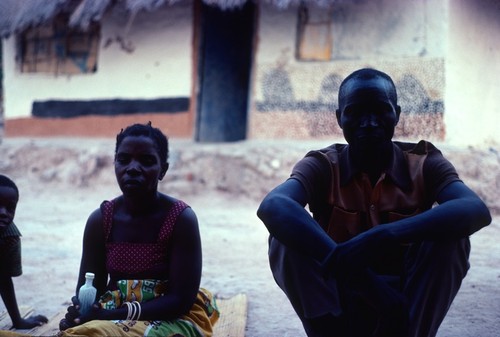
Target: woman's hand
{"points": [[73, 316]]}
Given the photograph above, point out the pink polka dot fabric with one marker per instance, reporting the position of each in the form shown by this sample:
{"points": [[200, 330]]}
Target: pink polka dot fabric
{"points": [[132, 258]]}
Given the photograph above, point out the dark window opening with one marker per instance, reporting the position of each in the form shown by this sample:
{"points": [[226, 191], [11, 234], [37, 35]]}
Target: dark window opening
{"points": [[314, 34], [55, 48]]}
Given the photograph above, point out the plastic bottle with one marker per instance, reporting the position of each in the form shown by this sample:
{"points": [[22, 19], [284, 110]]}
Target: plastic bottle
{"points": [[87, 294]]}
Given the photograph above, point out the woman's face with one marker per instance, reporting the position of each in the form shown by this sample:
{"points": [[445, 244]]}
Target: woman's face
{"points": [[138, 167]]}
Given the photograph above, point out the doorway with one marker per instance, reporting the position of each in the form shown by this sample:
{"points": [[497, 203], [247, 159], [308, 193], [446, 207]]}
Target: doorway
{"points": [[225, 54]]}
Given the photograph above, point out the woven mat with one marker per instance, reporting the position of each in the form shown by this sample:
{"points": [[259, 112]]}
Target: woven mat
{"points": [[233, 317], [232, 321], [6, 323]]}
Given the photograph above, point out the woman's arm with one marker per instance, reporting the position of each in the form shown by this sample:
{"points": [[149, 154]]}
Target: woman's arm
{"points": [[94, 253], [93, 260]]}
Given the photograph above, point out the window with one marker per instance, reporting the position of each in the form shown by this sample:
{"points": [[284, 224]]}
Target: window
{"points": [[314, 34], [57, 49]]}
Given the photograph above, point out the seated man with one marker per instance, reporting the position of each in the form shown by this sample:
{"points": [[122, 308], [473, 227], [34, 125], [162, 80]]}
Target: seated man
{"points": [[387, 246]]}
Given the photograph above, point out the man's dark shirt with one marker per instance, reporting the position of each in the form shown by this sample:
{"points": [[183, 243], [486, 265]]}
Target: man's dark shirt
{"points": [[343, 200]]}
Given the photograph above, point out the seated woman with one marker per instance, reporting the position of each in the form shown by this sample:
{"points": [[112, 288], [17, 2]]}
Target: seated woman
{"points": [[145, 251]]}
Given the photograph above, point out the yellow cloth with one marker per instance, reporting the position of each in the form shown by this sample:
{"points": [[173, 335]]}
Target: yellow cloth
{"points": [[197, 323]]}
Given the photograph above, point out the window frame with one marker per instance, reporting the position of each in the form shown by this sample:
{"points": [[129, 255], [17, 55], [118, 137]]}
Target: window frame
{"points": [[55, 48], [314, 39]]}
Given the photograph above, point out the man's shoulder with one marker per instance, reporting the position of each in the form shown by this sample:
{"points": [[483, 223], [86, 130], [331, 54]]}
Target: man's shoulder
{"points": [[334, 148], [421, 148], [326, 155]]}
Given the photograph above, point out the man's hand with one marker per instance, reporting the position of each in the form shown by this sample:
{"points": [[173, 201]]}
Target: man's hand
{"points": [[355, 255]]}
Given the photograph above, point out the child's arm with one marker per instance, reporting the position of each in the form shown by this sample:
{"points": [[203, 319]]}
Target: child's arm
{"points": [[9, 299]]}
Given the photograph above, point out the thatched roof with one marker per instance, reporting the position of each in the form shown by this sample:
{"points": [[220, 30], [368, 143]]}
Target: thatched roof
{"points": [[17, 15]]}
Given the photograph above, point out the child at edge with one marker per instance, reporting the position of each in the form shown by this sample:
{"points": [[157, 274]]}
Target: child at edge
{"points": [[10, 255]]}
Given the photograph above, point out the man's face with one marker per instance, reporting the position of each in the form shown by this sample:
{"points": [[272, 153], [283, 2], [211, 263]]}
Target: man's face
{"points": [[367, 114]]}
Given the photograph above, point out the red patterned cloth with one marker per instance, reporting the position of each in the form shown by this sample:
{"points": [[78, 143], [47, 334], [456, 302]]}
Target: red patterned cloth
{"points": [[133, 258]]}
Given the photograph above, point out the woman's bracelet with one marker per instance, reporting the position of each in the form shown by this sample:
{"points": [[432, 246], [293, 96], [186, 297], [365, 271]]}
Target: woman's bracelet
{"points": [[134, 311], [138, 310], [129, 310]]}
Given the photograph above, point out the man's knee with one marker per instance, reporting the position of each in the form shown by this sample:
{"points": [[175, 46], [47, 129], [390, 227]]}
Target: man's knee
{"points": [[301, 279], [440, 255]]}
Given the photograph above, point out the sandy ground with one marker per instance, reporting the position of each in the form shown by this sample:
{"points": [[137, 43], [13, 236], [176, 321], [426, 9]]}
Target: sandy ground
{"points": [[63, 180]]}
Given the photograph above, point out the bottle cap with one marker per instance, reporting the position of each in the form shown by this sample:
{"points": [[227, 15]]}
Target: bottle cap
{"points": [[89, 275]]}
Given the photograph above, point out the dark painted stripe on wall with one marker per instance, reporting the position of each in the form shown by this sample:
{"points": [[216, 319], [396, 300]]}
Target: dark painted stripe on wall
{"points": [[66, 109]]}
